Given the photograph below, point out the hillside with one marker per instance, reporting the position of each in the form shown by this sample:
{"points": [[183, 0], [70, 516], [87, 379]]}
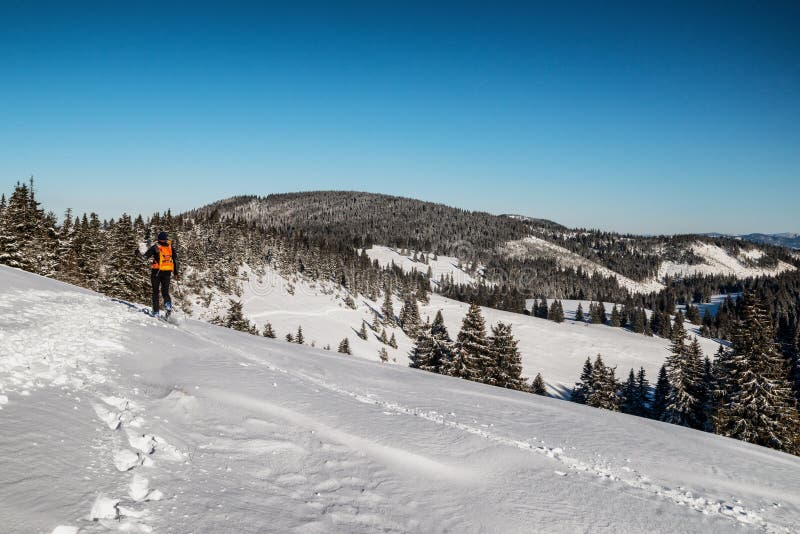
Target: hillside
{"points": [[507, 244], [558, 351], [150, 427]]}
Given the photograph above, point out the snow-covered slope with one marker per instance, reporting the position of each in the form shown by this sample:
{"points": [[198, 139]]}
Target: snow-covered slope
{"points": [[447, 266], [533, 246], [556, 350], [114, 421], [715, 261]]}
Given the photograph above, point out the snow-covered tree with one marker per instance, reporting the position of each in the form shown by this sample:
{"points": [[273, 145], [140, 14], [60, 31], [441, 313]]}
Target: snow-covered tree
{"points": [[685, 372], [474, 358], [268, 331], [300, 338], [387, 309], [582, 389], [344, 347], [659, 406], [579, 313], [604, 392], [538, 386], [409, 317], [758, 405], [506, 369]]}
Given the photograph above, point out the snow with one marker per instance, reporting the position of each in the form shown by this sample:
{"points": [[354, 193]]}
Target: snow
{"points": [[254, 435], [555, 350], [717, 261], [441, 266]]}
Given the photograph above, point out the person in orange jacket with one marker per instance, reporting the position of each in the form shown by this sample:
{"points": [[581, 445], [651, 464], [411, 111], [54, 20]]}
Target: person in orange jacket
{"points": [[165, 263]]}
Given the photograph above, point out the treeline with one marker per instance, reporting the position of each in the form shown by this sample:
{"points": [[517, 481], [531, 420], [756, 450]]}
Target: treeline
{"points": [[748, 392], [104, 255]]}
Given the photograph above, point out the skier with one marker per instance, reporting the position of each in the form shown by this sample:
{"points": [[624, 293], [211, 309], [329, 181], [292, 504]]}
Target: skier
{"points": [[165, 262]]}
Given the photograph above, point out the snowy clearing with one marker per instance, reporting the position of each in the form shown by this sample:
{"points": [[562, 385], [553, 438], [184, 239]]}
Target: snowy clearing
{"points": [[232, 433]]}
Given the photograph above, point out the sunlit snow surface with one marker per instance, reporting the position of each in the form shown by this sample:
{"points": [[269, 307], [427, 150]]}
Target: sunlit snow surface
{"points": [[113, 421]]}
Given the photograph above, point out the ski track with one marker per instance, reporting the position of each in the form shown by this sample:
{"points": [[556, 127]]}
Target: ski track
{"points": [[600, 469]]}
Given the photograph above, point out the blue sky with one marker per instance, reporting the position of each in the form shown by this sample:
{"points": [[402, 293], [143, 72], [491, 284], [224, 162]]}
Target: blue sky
{"points": [[665, 118]]}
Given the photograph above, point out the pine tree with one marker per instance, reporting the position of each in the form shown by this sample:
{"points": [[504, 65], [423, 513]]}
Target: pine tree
{"points": [[344, 347], [659, 406], [393, 341], [579, 313], [605, 388], [384, 337], [473, 347], [583, 387], [615, 318], [758, 405], [642, 394], [538, 386], [236, 320], [409, 317], [442, 345], [506, 370], [543, 310], [376, 324], [362, 333], [290, 338], [685, 371], [421, 356], [268, 331], [299, 338], [556, 312], [387, 309], [383, 355], [630, 392]]}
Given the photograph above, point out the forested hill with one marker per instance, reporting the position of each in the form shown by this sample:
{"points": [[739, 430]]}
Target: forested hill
{"points": [[363, 219]]}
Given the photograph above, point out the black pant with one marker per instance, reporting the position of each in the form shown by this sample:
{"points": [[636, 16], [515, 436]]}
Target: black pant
{"points": [[160, 278]]}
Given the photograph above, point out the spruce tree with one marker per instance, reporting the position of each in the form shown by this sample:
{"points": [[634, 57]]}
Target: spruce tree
{"points": [[268, 331], [387, 309], [383, 355], [659, 406], [393, 341], [579, 313], [605, 388], [685, 371], [363, 332], [236, 320], [631, 393], [299, 338], [758, 405], [583, 387], [344, 347], [642, 394], [615, 318], [506, 371], [538, 386], [421, 356], [409, 317], [474, 347]]}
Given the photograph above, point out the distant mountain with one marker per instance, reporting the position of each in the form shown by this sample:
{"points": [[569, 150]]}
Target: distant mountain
{"points": [[786, 239]]}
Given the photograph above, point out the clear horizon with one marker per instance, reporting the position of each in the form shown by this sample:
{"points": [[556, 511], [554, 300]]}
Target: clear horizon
{"points": [[662, 119]]}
